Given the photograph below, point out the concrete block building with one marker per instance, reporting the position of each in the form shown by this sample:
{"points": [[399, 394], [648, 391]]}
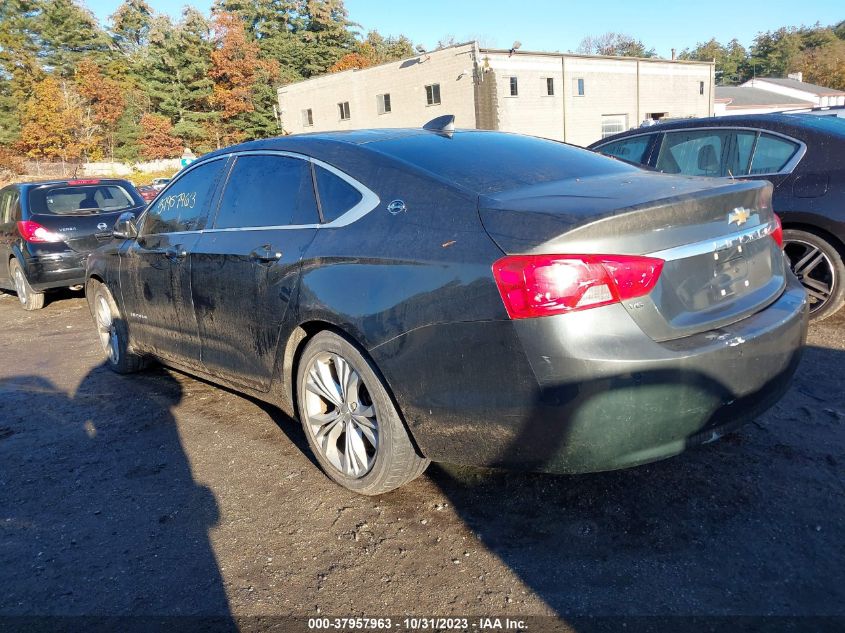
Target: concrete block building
{"points": [[574, 98]]}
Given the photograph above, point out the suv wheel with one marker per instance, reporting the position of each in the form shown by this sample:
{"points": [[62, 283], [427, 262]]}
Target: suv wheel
{"points": [[818, 266], [351, 423], [112, 330], [30, 299]]}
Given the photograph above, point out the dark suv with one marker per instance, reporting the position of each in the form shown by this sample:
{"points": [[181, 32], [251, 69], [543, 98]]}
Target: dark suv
{"points": [[800, 154], [47, 230]]}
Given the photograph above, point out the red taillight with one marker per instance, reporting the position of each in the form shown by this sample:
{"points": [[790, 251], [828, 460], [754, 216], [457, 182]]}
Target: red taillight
{"points": [[777, 233], [543, 285], [83, 182], [34, 232]]}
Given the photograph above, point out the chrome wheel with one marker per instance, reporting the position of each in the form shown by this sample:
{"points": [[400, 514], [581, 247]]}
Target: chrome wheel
{"points": [[106, 329], [20, 285], [340, 415], [814, 270]]}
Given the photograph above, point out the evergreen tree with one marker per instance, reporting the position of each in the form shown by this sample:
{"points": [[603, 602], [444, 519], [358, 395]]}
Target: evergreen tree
{"points": [[131, 26], [19, 67], [328, 35], [68, 32], [175, 73]]}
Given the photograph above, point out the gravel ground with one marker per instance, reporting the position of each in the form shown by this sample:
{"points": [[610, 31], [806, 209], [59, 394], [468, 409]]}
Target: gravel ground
{"points": [[162, 494]]}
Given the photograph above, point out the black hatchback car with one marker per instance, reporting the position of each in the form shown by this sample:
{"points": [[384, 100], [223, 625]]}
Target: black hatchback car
{"points": [[460, 296], [800, 154], [47, 230]]}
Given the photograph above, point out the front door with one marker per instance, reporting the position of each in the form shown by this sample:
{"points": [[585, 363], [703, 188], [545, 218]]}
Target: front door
{"points": [[155, 270], [245, 268]]}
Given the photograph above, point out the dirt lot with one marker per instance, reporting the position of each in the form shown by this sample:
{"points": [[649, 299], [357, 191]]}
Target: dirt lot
{"points": [[161, 494]]}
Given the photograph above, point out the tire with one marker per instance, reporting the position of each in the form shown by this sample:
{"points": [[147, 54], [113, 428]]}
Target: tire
{"points": [[818, 265], [352, 425], [30, 299], [112, 330]]}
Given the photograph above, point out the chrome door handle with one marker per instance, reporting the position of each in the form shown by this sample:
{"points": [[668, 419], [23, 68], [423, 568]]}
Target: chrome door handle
{"points": [[265, 255], [177, 252]]}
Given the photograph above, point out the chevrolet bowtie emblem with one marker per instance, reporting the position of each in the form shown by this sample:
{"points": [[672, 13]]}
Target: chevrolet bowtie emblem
{"points": [[739, 216]]}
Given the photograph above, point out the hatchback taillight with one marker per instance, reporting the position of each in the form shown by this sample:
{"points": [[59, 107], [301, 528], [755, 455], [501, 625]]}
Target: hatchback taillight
{"points": [[777, 233], [544, 285], [34, 232]]}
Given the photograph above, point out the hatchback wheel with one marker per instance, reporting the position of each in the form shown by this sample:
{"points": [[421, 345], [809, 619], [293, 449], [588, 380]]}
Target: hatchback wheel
{"points": [[112, 330], [818, 266], [30, 299], [350, 421]]}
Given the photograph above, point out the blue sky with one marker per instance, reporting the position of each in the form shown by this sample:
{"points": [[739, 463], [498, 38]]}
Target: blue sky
{"points": [[560, 25]]}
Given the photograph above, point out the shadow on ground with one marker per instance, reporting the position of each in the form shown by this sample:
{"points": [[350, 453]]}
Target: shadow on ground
{"points": [[100, 511], [726, 528]]}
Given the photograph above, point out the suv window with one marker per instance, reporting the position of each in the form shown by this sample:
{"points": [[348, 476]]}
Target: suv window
{"points": [[722, 152], [268, 190], [336, 195], [630, 149], [772, 153], [182, 207]]}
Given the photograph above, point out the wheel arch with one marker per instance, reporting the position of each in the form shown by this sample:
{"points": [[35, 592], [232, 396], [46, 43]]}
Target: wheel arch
{"points": [[815, 229], [294, 346]]}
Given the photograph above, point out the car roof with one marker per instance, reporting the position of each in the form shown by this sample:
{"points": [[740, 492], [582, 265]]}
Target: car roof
{"points": [[299, 142], [798, 125]]}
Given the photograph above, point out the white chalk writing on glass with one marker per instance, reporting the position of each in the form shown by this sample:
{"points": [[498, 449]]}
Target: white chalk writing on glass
{"points": [[185, 200]]}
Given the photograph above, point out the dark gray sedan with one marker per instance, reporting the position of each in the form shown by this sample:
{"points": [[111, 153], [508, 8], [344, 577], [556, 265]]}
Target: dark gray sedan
{"points": [[460, 296]]}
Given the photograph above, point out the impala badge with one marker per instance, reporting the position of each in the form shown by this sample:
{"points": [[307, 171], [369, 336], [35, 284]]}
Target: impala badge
{"points": [[102, 226], [739, 216]]}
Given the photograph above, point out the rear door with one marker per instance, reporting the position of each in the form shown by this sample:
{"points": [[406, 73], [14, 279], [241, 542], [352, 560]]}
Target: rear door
{"points": [[8, 203], [245, 268], [714, 152], [155, 275]]}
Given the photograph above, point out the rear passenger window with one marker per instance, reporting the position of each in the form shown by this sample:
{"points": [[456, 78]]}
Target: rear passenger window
{"points": [[182, 206], [772, 154], [630, 149], [267, 190], [336, 195]]}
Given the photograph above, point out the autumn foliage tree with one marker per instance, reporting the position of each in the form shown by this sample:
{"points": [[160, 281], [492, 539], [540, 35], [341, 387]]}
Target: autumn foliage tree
{"points": [[50, 122], [157, 139], [103, 96], [238, 74]]}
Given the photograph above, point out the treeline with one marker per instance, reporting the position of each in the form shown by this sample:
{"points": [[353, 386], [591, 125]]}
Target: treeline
{"points": [[818, 52], [144, 86]]}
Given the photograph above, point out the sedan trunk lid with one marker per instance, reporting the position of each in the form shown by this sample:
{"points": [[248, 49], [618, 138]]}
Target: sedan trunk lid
{"points": [[721, 265]]}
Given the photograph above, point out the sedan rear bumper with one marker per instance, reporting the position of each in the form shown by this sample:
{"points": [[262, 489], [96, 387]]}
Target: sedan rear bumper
{"points": [[55, 270], [589, 391]]}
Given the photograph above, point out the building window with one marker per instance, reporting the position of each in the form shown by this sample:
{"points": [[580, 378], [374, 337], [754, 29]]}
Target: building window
{"points": [[383, 102], [550, 86], [578, 87], [514, 86], [701, 87], [613, 124], [343, 108], [432, 94], [307, 118]]}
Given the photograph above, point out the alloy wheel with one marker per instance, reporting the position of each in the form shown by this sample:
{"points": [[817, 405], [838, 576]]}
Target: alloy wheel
{"points": [[814, 270], [106, 329], [20, 285], [340, 415]]}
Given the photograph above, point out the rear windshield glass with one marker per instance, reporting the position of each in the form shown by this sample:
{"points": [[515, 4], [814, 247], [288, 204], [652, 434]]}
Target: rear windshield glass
{"points": [[76, 199], [487, 162]]}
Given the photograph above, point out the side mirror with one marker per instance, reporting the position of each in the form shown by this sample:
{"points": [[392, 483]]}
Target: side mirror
{"points": [[125, 227]]}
